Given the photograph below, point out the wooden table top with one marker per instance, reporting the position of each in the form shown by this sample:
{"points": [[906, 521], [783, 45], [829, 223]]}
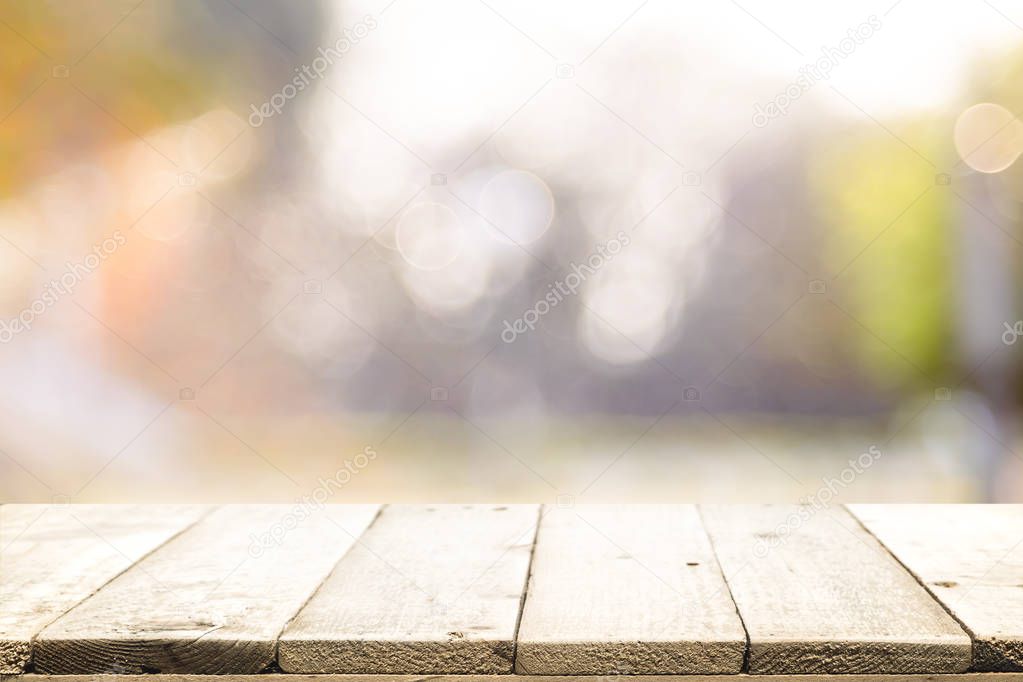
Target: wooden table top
{"points": [[530, 590]]}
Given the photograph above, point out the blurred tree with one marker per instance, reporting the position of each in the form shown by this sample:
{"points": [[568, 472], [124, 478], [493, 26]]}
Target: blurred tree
{"points": [[144, 65], [889, 245]]}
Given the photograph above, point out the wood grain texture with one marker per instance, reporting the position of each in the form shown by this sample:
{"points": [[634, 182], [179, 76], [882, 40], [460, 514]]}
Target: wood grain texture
{"points": [[212, 600], [627, 589], [276, 677], [430, 590], [818, 594], [54, 556], [971, 559]]}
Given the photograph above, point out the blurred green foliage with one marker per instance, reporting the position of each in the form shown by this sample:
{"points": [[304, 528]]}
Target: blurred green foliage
{"points": [[889, 234]]}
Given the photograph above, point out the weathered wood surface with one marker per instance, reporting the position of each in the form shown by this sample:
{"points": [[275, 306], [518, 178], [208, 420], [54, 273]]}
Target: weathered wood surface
{"points": [[212, 600], [429, 589], [818, 594], [54, 556], [625, 589], [276, 677], [440, 591], [970, 557]]}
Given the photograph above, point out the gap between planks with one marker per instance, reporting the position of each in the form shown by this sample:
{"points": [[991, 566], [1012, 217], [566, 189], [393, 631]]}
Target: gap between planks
{"points": [[516, 640], [819, 595], [958, 553]]}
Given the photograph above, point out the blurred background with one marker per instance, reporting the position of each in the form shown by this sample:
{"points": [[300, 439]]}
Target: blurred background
{"points": [[496, 250]]}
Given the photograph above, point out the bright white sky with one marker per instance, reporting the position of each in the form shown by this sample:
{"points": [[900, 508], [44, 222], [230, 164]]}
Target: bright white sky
{"points": [[437, 78], [917, 60]]}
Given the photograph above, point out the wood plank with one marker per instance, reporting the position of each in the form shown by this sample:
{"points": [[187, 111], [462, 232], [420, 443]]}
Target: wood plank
{"points": [[430, 590], [54, 556], [212, 600], [970, 557], [277, 677], [627, 589], [818, 594]]}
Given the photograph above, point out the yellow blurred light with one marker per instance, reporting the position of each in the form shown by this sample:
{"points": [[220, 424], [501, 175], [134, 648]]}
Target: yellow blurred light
{"points": [[145, 175], [218, 145]]}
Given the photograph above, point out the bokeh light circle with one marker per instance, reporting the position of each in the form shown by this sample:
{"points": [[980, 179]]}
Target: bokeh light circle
{"points": [[626, 314], [429, 236], [988, 137], [518, 205]]}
